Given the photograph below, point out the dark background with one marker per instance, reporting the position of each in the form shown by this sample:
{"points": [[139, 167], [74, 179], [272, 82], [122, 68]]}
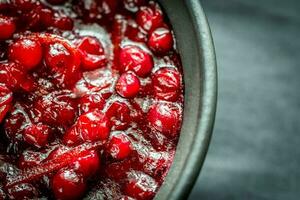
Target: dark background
{"points": [[255, 149]]}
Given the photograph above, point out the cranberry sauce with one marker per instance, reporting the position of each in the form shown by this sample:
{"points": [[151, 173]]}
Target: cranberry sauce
{"points": [[91, 96]]}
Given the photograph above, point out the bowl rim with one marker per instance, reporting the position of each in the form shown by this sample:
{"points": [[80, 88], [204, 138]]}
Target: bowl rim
{"points": [[187, 176]]}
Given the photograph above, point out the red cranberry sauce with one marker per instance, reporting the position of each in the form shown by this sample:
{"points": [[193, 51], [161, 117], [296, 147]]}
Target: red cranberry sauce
{"points": [[91, 96]]}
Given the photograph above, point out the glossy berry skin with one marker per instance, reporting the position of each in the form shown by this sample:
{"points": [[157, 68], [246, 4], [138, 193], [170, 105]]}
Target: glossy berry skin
{"points": [[7, 27], [92, 53], [88, 164], [55, 109], [14, 77], [26, 52], [150, 17], [119, 115], [119, 146], [161, 41], [128, 85], [68, 185], [133, 58], [57, 57], [37, 134], [140, 186], [164, 117], [91, 126], [91, 102], [167, 84]]}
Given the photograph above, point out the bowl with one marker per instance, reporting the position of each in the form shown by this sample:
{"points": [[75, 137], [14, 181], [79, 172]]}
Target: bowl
{"points": [[196, 49]]}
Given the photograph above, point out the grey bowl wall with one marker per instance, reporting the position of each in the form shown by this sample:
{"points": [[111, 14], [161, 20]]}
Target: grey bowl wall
{"points": [[196, 48]]}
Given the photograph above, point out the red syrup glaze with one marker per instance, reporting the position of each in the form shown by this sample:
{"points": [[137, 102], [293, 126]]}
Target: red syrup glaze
{"points": [[91, 96]]}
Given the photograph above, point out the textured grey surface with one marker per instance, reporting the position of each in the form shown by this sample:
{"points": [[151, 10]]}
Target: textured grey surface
{"points": [[255, 149]]}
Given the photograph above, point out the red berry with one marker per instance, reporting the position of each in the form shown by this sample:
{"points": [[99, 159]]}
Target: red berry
{"points": [[165, 117], [91, 102], [150, 17], [91, 45], [30, 159], [27, 52], [63, 22], [47, 17], [140, 186], [7, 27], [58, 57], [93, 55], [14, 124], [135, 59], [167, 84], [128, 85], [88, 164], [91, 126], [12, 75], [68, 185], [55, 109], [119, 115], [37, 134], [161, 41], [119, 146]]}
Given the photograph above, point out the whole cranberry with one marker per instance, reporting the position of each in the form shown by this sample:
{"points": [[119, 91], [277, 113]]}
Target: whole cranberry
{"points": [[91, 45], [119, 146], [150, 17], [13, 76], [22, 191], [55, 109], [68, 185], [119, 114], [140, 186], [93, 55], [7, 27], [37, 134], [135, 59], [30, 159], [91, 126], [167, 84], [88, 164], [128, 85], [58, 57], [15, 123], [91, 102], [165, 117], [27, 52], [63, 22], [161, 41]]}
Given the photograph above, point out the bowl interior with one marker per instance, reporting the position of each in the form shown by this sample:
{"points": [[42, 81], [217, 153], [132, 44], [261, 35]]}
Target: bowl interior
{"points": [[196, 49]]}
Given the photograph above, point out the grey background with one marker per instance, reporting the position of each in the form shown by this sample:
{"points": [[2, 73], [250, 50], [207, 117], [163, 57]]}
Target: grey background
{"points": [[255, 149]]}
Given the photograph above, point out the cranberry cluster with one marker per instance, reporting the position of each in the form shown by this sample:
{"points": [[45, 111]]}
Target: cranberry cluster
{"points": [[79, 111]]}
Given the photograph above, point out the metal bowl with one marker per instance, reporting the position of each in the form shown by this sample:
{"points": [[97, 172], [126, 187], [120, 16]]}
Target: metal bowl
{"points": [[196, 48]]}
